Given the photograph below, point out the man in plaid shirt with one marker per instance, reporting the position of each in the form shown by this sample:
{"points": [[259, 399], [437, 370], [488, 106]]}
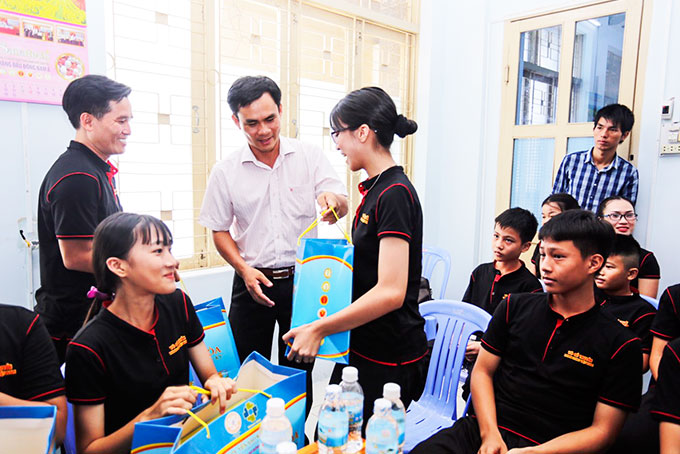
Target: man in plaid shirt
{"points": [[591, 176]]}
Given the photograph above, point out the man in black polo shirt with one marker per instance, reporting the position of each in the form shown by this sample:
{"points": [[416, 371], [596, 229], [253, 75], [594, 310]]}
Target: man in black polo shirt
{"points": [[666, 405], [77, 193], [29, 373], [555, 373]]}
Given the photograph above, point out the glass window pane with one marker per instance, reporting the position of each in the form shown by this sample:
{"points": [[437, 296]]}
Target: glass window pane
{"points": [[539, 65], [532, 166], [575, 144], [598, 47]]}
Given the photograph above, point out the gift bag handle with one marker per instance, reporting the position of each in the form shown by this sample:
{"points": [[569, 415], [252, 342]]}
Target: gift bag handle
{"points": [[318, 219]]}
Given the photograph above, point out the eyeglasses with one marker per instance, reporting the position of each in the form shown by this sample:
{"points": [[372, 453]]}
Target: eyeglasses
{"points": [[630, 216], [336, 133]]}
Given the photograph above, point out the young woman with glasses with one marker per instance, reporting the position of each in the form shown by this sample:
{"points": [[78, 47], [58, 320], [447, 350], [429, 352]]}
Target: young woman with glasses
{"points": [[620, 213]]}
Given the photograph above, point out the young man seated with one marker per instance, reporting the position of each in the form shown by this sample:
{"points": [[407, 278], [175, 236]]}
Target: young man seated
{"points": [[29, 371], [491, 282], [616, 297], [555, 374], [666, 404]]}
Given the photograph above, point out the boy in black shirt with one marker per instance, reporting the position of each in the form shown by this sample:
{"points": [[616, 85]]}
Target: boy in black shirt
{"points": [[491, 282], [556, 374], [616, 298]]}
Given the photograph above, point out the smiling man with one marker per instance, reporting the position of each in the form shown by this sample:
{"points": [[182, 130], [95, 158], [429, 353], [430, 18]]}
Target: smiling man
{"points": [[591, 176], [258, 201], [77, 193]]}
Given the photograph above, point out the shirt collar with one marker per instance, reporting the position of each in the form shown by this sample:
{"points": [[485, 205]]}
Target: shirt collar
{"points": [[285, 148], [583, 315], [367, 185], [106, 166], [589, 158]]}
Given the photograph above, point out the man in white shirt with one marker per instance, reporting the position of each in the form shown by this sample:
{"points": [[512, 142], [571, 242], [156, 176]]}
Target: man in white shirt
{"points": [[258, 201]]}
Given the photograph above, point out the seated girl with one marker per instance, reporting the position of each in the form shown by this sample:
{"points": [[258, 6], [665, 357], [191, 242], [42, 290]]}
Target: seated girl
{"points": [[553, 205], [130, 362]]}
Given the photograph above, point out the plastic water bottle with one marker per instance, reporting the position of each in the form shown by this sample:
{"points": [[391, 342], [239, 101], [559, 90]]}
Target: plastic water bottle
{"points": [[275, 427], [286, 447], [382, 432], [392, 392], [333, 422], [353, 397]]}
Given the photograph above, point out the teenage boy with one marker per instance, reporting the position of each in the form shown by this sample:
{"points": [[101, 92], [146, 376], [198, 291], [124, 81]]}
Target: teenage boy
{"points": [[555, 374], [491, 282], [77, 193], [593, 175], [666, 406], [616, 297], [29, 372]]}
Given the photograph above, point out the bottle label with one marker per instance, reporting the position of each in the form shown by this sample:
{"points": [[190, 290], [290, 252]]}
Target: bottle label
{"points": [[400, 418], [333, 429], [356, 415]]}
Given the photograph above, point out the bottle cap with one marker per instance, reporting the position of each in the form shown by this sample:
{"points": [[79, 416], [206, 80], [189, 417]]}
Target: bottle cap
{"points": [[286, 447], [391, 391], [275, 407], [381, 405], [333, 389], [350, 374]]}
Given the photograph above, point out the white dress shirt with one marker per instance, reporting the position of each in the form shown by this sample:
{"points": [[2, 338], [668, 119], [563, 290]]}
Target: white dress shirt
{"points": [[265, 209]]}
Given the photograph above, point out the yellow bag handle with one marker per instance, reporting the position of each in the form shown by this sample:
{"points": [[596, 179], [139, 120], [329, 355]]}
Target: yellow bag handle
{"points": [[200, 390], [318, 219], [201, 422]]}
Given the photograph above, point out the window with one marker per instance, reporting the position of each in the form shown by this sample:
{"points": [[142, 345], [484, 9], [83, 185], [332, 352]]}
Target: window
{"points": [[181, 57], [560, 69]]}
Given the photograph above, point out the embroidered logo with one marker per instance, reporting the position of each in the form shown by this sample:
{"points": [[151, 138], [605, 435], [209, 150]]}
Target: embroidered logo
{"points": [[179, 343], [7, 369], [623, 322], [579, 358], [364, 218]]}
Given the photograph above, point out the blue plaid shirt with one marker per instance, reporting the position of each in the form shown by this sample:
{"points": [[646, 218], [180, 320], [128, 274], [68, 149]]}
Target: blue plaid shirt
{"points": [[579, 177]]}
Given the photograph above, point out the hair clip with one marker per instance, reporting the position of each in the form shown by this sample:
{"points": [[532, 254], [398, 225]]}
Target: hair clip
{"points": [[95, 293]]}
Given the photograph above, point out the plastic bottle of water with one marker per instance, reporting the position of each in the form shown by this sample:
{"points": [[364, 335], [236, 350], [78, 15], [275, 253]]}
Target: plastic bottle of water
{"points": [[275, 427], [286, 447], [353, 397], [392, 392], [333, 422], [381, 432]]}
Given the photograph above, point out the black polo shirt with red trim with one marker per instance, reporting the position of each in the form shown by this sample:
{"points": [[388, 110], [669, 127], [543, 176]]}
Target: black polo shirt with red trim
{"points": [[553, 371], [632, 312], [389, 208], [113, 363], [648, 268], [666, 323], [666, 403], [29, 369], [77, 193], [488, 286]]}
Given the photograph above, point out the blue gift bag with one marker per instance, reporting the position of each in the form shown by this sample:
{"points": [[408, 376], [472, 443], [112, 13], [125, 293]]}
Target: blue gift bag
{"points": [[27, 429], [218, 336], [323, 286], [237, 430]]}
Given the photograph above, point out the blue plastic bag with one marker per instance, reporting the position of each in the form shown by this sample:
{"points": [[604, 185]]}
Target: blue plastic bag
{"points": [[323, 286]]}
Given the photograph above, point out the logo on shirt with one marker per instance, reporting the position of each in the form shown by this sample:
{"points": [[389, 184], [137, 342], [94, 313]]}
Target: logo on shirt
{"points": [[7, 369], [623, 322], [579, 358], [179, 343], [364, 218]]}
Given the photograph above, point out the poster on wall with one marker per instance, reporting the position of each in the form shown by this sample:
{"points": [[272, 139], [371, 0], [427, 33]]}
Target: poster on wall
{"points": [[43, 47]]}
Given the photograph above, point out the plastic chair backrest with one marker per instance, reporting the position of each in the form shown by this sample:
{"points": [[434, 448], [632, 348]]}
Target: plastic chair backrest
{"points": [[456, 321], [654, 302], [70, 437], [431, 257]]}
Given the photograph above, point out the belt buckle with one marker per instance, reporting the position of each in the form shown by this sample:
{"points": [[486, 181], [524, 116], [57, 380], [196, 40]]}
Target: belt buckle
{"points": [[281, 273]]}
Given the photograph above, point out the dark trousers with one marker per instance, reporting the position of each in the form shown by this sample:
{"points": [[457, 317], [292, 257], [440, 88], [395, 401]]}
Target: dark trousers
{"points": [[253, 324], [463, 438], [372, 376]]}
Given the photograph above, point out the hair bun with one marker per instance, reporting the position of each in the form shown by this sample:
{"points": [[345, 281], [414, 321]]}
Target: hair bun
{"points": [[404, 126]]}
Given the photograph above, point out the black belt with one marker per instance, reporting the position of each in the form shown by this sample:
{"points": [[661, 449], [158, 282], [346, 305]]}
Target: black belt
{"points": [[278, 273]]}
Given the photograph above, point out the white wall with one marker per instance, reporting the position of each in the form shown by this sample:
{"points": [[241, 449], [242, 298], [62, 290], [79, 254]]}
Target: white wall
{"points": [[459, 99]]}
